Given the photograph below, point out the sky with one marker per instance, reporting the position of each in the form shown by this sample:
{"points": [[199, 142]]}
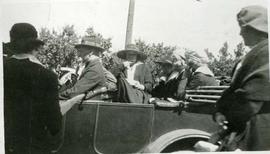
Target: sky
{"points": [[184, 23]]}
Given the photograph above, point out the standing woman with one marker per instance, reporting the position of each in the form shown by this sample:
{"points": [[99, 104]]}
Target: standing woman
{"points": [[135, 82], [31, 109]]}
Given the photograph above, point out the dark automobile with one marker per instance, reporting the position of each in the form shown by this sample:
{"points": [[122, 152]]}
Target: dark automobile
{"points": [[104, 127]]}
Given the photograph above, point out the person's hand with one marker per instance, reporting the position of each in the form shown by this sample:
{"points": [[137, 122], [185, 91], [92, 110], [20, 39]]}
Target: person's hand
{"points": [[221, 120], [163, 78], [65, 78], [68, 104], [131, 82], [139, 86]]}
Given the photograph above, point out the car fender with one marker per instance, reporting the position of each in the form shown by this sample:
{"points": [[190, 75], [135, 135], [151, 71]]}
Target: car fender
{"points": [[167, 139]]}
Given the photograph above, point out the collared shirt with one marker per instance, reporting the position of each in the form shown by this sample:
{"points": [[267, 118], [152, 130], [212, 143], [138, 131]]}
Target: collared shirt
{"points": [[31, 58], [131, 70], [79, 69]]}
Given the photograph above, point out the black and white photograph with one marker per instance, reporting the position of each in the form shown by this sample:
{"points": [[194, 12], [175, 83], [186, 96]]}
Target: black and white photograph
{"points": [[134, 76]]}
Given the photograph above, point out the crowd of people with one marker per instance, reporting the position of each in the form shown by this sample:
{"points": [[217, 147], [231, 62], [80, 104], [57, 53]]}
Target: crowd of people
{"points": [[32, 93]]}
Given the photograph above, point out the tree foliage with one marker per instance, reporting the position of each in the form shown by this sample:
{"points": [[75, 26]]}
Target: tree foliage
{"points": [[59, 47], [154, 52], [59, 50], [223, 64]]}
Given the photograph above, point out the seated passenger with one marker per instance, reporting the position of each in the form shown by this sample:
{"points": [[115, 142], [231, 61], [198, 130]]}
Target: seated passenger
{"points": [[173, 80], [201, 75], [135, 81], [91, 73]]}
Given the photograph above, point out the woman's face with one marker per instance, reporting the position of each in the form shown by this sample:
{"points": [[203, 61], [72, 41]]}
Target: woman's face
{"points": [[131, 56]]}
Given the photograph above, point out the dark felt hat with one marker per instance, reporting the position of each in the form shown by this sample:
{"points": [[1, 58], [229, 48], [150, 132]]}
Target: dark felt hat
{"points": [[131, 48], [23, 37], [165, 60], [90, 42]]}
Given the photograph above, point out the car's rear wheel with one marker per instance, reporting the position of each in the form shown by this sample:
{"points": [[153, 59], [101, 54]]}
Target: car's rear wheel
{"points": [[186, 144], [178, 140]]}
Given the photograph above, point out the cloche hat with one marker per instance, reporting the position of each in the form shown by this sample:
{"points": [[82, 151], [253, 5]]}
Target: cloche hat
{"points": [[23, 38], [254, 16]]}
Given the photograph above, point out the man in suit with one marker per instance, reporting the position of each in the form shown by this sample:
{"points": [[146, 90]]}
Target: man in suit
{"points": [[91, 73], [245, 105]]}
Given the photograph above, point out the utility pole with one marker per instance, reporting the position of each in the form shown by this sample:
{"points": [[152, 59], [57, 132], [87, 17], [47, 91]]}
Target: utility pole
{"points": [[130, 22]]}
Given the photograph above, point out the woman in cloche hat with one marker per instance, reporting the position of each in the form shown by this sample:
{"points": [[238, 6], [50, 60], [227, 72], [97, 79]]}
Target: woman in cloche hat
{"points": [[30, 95], [136, 80], [245, 105], [172, 81]]}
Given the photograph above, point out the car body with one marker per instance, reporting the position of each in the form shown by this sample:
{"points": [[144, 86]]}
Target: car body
{"points": [[110, 127]]}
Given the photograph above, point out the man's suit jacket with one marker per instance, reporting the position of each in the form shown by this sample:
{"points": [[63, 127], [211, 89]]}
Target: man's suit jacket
{"points": [[92, 77]]}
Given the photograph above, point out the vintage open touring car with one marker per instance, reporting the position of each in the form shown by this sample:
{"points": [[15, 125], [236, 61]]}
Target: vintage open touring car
{"points": [[111, 127]]}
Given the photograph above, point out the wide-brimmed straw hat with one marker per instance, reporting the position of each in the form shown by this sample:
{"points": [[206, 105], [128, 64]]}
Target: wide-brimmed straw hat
{"points": [[23, 38], [90, 42], [254, 16], [131, 48]]}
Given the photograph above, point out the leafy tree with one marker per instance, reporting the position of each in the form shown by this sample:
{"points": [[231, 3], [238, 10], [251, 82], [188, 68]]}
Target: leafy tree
{"points": [[223, 64], [154, 52], [209, 54], [105, 42], [240, 51], [58, 50]]}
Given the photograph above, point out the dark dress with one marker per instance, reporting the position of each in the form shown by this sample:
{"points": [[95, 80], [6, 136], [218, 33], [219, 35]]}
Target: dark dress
{"points": [[246, 104], [31, 108], [173, 88], [127, 93]]}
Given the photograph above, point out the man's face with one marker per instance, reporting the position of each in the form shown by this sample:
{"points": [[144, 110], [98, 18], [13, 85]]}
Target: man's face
{"points": [[83, 51]]}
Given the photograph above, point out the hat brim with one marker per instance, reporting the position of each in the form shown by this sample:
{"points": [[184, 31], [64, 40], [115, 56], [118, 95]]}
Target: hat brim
{"points": [[161, 62], [38, 42], [99, 49], [21, 45], [122, 54]]}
